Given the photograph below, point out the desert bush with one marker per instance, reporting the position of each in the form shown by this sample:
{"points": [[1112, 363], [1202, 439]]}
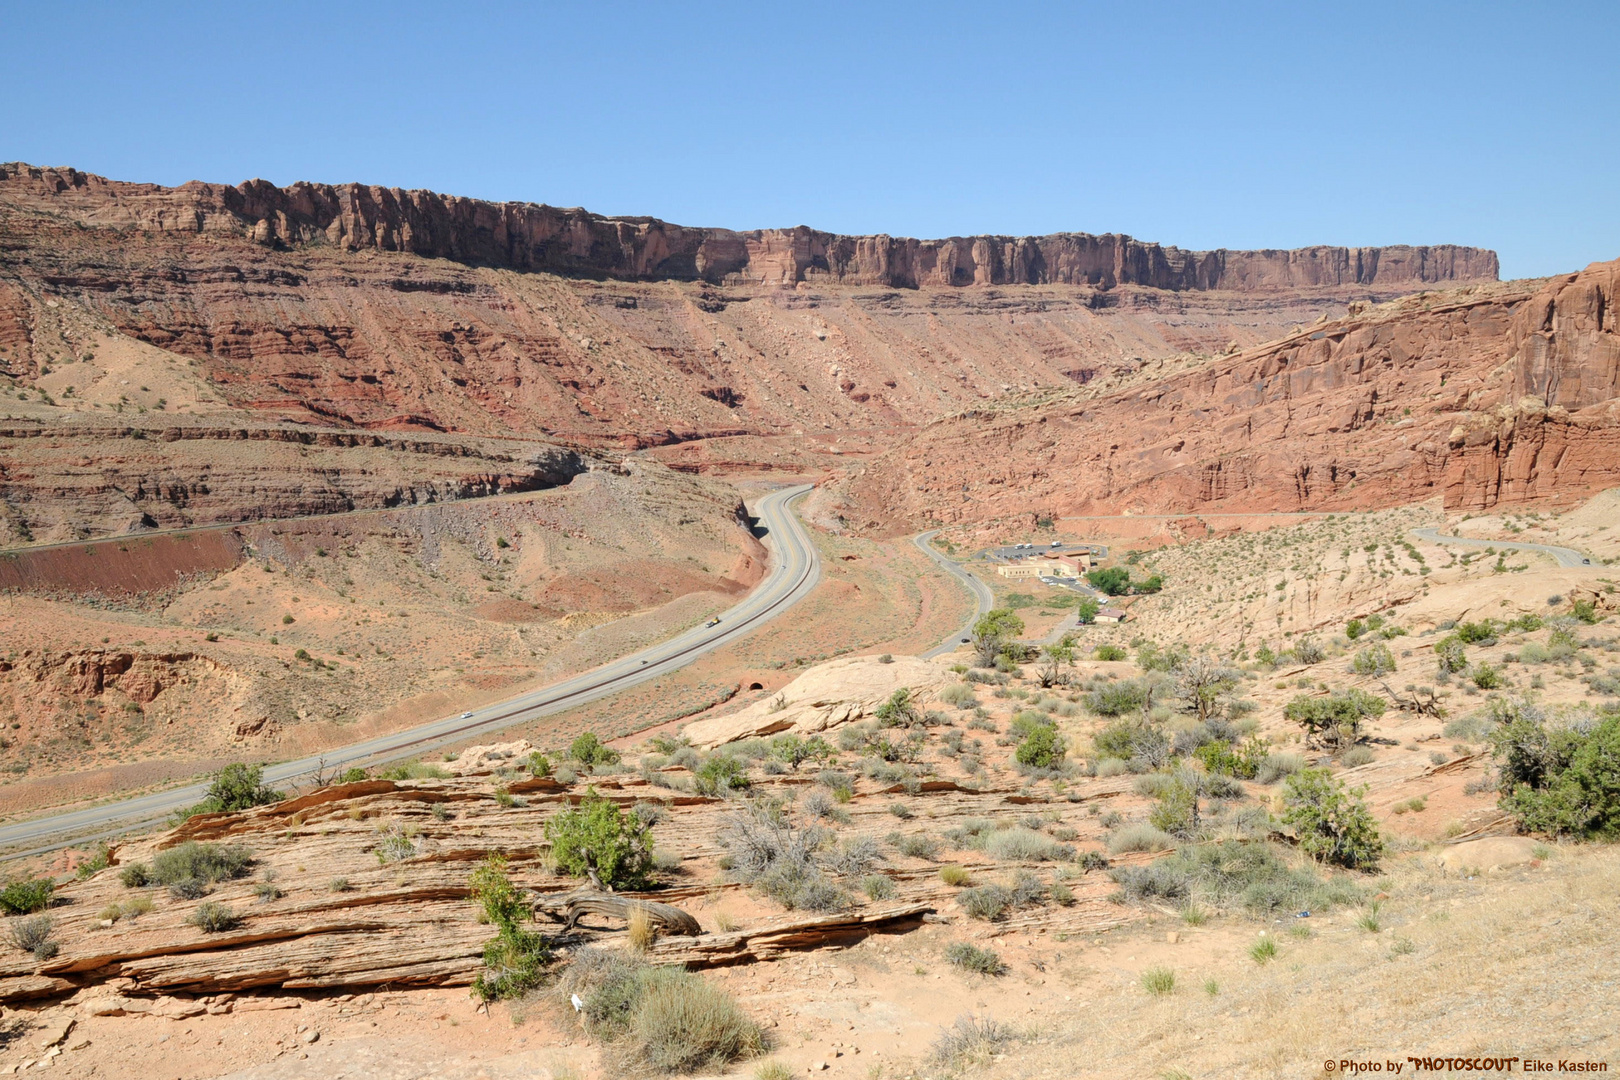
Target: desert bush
{"points": [[877, 886], [1375, 660], [1109, 652], [772, 1070], [1278, 765], [793, 750], [1560, 780], [340, 884], [1308, 651], [972, 958], [235, 787], [767, 850], [819, 803], [994, 632], [515, 958], [955, 875], [212, 917], [854, 857], [190, 889], [1025, 845], [96, 863], [1333, 824], [588, 750], [1232, 874], [1061, 894], [970, 1042], [1356, 755], [1263, 950], [415, 770], [1139, 837], [1334, 720], [1586, 611], [196, 862], [721, 774], [596, 836], [1176, 811], [26, 896], [960, 695], [33, 935], [395, 844], [1042, 748], [916, 846], [1485, 676], [1117, 698], [539, 764], [987, 902], [135, 875], [1449, 655], [839, 784]]}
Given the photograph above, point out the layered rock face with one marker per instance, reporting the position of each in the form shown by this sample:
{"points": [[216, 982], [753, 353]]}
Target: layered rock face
{"points": [[524, 236], [1482, 397]]}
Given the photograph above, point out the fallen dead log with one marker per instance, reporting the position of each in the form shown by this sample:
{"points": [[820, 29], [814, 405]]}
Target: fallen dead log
{"points": [[570, 906], [764, 942]]}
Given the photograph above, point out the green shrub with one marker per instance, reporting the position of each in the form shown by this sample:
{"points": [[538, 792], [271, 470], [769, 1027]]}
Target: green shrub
{"points": [[135, 875], [1109, 652], [235, 787], [899, 710], [1486, 677], [515, 958], [878, 886], [596, 836], [916, 846], [720, 774], [1449, 655], [352, 776], [1375, 660], [96, 863], [1114, 580], [26, 896], [1042, 748], [1176, 811], [588, 750], [1333, 824], [955, 875], [1159, 981], [1334, 720], [1585, 610], [1264, 950], [539, 764], [1117, 698], [212, 917], [1563, 781], [972, 958]]}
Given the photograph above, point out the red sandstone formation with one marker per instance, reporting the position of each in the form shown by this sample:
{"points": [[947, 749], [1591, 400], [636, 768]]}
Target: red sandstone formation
{"points": [[1483, 397]]}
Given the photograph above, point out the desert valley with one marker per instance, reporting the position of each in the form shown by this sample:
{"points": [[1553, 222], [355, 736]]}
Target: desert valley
{"points": [[677, 650]]}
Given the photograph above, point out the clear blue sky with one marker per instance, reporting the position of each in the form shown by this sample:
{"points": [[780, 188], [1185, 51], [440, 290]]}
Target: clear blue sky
{"points": [[1198, 124]]}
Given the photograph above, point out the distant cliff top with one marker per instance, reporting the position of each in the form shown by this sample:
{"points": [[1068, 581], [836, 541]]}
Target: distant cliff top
{"points": [[574, 242]]}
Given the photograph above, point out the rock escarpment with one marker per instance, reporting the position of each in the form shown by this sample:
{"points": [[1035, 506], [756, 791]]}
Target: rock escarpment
{"points": [[525, 236], [1491, 396]]}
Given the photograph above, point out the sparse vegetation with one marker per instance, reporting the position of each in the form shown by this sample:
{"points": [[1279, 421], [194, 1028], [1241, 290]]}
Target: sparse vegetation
{"points": [[516, 958], [26, 896], [1159, 981], [33, 935], [212, 917], [1333, 824], [972, 958], [235, 787]]}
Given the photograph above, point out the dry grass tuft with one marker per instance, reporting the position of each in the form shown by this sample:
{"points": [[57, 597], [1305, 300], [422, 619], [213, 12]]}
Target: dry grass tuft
{"points": [[643, 931]]}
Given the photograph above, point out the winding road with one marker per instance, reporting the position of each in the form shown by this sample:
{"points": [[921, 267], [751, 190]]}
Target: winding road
{"points": [[1565, 556], [794, 571], [981, 593]]}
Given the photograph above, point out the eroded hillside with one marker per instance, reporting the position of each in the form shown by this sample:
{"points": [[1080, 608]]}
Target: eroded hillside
{"points": [[1482, 396]]}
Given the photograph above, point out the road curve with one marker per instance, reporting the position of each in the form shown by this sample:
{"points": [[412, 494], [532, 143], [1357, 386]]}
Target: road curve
{"points": [[981, 593], [794, 570], [1565, 556]]}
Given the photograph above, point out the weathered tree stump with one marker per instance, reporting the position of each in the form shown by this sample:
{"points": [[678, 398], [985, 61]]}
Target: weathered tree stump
{"points": [[570, 906]]}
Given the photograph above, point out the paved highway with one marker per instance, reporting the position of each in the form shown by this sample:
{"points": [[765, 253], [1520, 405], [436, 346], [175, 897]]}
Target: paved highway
{"points": [[1565, 556], [794, 571], [981, 593]]}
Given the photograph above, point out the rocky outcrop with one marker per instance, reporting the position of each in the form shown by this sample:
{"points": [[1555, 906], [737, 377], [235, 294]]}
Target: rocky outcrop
{"points": [[525, 236], [824, 697], [1479, 396]]}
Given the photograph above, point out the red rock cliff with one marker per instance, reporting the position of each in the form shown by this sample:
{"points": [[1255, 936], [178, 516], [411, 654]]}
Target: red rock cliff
{"points": [[525, 236]]}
